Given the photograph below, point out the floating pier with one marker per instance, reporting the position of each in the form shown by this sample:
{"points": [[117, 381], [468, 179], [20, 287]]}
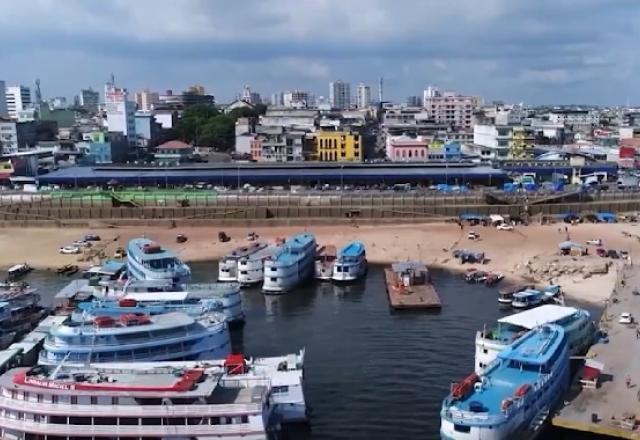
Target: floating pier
{"points": [[605, 396], [409, 287]]}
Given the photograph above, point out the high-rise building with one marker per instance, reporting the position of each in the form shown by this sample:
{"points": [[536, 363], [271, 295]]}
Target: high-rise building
{"points": [[120, 111], [146, 100], [3, 101], [340, 95], [89, 100], [363, 96], [18, 99], [250, 97], [450, 108], [277, 99], [414, 101], [296, 99]]}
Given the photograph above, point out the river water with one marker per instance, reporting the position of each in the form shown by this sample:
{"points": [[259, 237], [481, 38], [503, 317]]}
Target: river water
{"points": [[370, 372]]}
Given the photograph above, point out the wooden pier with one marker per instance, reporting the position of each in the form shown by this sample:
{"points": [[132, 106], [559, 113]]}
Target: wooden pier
{"points": [[409, 287]]}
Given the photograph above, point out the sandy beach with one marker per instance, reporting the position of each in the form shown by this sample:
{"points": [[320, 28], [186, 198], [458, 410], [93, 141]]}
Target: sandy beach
{"points": [[508, 251]]}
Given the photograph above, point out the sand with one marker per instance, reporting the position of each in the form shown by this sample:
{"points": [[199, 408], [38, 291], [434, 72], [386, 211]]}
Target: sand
{"points": [[430, 243]]}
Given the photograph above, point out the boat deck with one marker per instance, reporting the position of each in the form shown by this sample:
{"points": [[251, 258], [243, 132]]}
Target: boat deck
{"points": [[621, 358], [421, 296]]}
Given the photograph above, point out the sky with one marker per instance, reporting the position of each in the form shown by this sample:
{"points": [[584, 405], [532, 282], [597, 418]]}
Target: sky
{"points": [[536, 52]]}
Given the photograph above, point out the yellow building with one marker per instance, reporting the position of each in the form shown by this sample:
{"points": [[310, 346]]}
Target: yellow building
{"points": [[337, 146], [522, 143]]}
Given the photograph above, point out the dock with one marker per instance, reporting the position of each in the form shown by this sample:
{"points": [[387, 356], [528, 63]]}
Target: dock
{"points": [[609, 403], [409, 287]]}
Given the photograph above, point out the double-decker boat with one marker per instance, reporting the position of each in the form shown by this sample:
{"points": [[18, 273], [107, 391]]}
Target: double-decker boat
{"points": [[228, 266], [351, 263], [290, 265], [147, 260], [232, 398], [513, 398], [325, 258], [251, 267], [532, 297], [577, 324], [20, 312], [137, 337]]}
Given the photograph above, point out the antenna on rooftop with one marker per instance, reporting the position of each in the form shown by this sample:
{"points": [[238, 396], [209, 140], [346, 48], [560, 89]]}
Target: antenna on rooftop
{"points": [[380, 89], [38, 92], [112, 79]]}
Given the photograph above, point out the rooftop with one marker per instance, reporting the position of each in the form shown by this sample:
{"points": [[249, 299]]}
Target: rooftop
{"points": [[137, 245], [174, 145], [538, 316], [352, 249], [536, 347]]}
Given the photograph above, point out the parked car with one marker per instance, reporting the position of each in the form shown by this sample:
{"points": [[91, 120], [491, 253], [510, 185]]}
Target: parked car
{"points": [[91, 237], [181, 238], [68, 250], [504, 227], [625, 318], [81, 244], [473, 235], [601, 252], [595, 242], [223, 237], [612, 253], [119, 253]]}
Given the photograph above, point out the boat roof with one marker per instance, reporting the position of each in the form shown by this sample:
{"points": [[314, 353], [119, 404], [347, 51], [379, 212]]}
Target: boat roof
{"points": [[137, 244], [538, 316], [352, 249], [535, 347], [265, 252], [157, 296], [112, 267], [328, 250], [157, 322], [527, 292], [75, 287], [16, 267], [299, 240], [243, 251], [405, 266]]}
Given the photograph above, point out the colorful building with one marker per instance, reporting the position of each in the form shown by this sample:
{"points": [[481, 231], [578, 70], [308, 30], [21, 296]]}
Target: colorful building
{"points": [[407, 149], [523, 143], [337, 146]]}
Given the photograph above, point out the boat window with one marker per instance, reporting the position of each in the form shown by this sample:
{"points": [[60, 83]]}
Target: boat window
{"points": [[461, 428], [273, 279], [280, 389], [244, 419]]}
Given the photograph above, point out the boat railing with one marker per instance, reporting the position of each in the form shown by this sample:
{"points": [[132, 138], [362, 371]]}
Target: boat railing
{"points": [[474, 417]]}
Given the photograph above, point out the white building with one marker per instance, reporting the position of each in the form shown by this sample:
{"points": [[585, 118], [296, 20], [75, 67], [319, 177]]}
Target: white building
{"points": [[120, 112], [340, 95], [18, 98], [146, 100], [250, 97], [450, 108], [296, 99], [277, 99], [574, 117], [492, 141], [3, 101], [363, 96]]}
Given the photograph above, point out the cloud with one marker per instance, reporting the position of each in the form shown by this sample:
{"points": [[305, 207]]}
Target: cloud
{"points": [[544, 51]]}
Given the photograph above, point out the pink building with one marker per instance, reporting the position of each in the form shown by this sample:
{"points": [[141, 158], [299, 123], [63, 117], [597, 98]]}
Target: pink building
{"points": [[256, 149], [407, 149]]}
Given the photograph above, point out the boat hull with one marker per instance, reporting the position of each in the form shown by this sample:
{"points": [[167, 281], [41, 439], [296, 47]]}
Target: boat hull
{"points": [[349, 272]]}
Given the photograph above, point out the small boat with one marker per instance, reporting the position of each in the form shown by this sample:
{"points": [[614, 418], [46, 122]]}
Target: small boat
{"points": [[505, 295], [351, 262], [64, 269], [18, 271], [493, 278], [475, 276], [532, 298], [325, 258]]}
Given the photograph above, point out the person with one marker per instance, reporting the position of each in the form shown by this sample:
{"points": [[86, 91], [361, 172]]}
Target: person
{"points": [[627, 381], [638, 333]]}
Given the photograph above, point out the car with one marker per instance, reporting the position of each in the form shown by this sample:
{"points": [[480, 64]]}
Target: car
{"points": [[81, 244], [595, 242], [91, 237], [625, 318], [504, 227], [181, 238], [473, 235], [119, 253], [612, 253], [601, 252], [69, 250]]}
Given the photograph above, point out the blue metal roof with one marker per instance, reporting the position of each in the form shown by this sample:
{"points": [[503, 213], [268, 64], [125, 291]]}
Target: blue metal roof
{"points": [[136, 247], [352, 249]]}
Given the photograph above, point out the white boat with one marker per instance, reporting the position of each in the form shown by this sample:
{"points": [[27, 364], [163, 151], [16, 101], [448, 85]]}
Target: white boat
{"points": [[228, 265], [291, 265], [532, 298], [18, 270], [351, 263], [577, 324], [516, 394], [325, 257], [233, 398], [251, 267], [147, 260]]}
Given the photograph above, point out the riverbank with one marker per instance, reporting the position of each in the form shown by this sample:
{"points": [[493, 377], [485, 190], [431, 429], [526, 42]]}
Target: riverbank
{"points": [[508, 251]]}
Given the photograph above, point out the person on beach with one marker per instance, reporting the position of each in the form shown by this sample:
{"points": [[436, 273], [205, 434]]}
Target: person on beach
{"points": [[627, 381]]}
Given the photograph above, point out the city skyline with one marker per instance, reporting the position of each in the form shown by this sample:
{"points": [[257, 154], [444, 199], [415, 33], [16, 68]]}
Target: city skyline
{"points": [[503, 51]]}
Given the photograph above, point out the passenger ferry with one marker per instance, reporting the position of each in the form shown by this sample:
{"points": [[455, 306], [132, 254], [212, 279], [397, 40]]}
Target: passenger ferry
{"points": [[228, 266], [325, 258], [515, 395], [251, 267], [136, 337], [577, 323], [20, 312], [236, 399], [147, 260], [532, 298], [291, 265], [351, 263]]}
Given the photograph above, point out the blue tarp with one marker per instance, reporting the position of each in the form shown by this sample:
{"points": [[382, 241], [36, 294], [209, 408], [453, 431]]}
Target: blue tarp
{"points": [[606, 217], [569, 245], [468, 216]]}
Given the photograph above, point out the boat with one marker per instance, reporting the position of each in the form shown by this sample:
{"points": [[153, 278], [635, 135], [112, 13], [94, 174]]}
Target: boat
{"points": [[110, 270], [475, 276], [137, 337], [290, 265], [513, 398], [409, 286], [532, 297], [20, 313], [228, 266], [147, 260], [351, 262], [224, 298], [577, 324], [325, 257], [251, 267], [18, 271], [232, 398], [493, 278], [63, 270], [505, 294]]}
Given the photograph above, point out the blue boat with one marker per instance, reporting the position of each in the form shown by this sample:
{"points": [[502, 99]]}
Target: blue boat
{"points": [[351, 262], [137, 337], [147, 260], [515, 395], [532, 297], [290, 265]]}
